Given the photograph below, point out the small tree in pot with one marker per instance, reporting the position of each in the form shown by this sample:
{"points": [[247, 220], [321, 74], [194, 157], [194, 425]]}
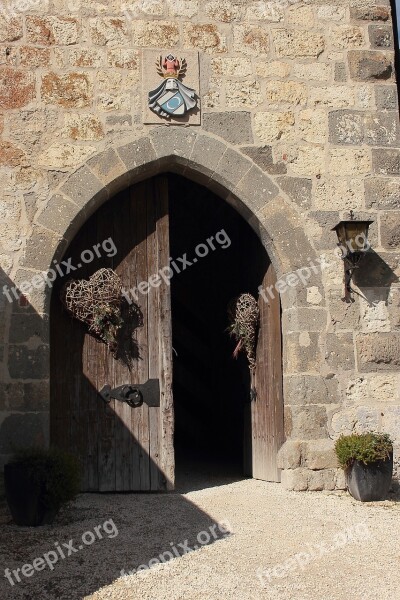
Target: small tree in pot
{"points": [[38, 482], [367, 460]]}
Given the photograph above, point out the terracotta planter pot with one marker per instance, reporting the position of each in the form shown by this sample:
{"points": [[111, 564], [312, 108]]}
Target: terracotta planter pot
{"points": [[371, 482]]}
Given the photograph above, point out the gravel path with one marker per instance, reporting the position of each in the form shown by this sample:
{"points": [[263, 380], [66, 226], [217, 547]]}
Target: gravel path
{"points": [[309, 546]]}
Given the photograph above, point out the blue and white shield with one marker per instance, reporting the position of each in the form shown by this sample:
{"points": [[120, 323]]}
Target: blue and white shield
{"points": [[171, 103], [172, 98]]}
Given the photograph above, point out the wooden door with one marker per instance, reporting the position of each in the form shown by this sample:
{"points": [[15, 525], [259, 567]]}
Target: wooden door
{"points": [[267, 432], [120, 448]]}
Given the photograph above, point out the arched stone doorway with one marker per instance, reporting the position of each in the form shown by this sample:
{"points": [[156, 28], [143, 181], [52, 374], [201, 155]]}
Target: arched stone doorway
{"points": [[230, 174], [208, 409]]}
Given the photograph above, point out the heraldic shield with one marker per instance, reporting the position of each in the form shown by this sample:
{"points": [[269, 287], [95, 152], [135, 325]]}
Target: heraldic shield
{"points": [[172, 98]]}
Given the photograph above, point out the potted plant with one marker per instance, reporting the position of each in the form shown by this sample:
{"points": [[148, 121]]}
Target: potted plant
{"points": [[38, 482], [367, 460]]}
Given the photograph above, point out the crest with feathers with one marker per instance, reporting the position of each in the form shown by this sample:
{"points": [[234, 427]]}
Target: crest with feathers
{"points": [[180, 73]]}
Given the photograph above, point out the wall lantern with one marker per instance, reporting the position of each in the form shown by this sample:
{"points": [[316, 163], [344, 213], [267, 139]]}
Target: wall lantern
{"points": [[354, 244]]}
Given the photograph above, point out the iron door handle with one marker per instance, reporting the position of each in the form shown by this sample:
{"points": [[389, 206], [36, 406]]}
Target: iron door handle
{"points": [[134, 394]]}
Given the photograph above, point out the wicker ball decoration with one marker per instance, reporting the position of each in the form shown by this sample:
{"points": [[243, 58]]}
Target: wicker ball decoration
{"points": [[245, 316], [97, 302]]}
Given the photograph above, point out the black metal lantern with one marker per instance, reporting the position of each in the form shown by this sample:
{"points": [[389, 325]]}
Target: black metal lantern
{"points": [[353, 241]]}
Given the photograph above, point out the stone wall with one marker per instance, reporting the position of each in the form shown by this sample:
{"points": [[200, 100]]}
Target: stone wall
{"points": [[299, 125]]}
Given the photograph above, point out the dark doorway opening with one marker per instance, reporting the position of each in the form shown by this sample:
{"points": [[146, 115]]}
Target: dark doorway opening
{"points": [[211, 389]]}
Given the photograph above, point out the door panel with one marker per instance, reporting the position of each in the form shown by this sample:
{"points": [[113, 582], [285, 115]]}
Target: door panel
{"points": [[121, 448], [267, 410]]}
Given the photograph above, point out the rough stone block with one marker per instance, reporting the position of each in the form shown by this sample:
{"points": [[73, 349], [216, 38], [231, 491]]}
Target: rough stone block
{"points": [[286, 92], [40, 248], [343, 315], [177, 142], [85, 57], [289, 455], [298, 189], [381, 36], [183, 8], [390, 230], [251, 40], [321, 480], [83, 188], [301, 352], [340, 350], [70, 90], [25, 327], [305, 319], [292, 43], [21, 396], [34, 57], [272, 126], [22, 430], [49, 30], [378, 351], [382, 129], [319, 454], [11, 29], [356, 420], [263, 158], [64, 156], [306, 422], [123, 58], [386, 97], [206, 153], [349, 161], [370, 13], [347, 36], [204, 36], [11, 156], [311, 71], [369, 65], [235, 127], [86, 127], [58, 214], [346, 127], [28, 363], [330, 12], [220, 10], [355, 127], [256, 188], [386, 162], [308, 160], [310, 389], [109, 168], [231, 169], [340, 479], [243, 93], [340, 72], [17, 88], [335, 96], [111, 31], [335, 195], [295, 479]]}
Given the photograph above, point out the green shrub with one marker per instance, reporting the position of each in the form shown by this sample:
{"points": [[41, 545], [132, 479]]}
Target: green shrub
{"points": [[55, 471], [366, 447]]}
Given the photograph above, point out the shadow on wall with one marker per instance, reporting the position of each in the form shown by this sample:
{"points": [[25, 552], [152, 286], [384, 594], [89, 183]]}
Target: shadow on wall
{"points": [[24, 410], [374, 277]]}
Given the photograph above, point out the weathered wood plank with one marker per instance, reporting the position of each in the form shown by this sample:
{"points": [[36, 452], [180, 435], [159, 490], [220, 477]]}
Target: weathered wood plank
{"points": [[267, 410], [165, 345]]}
